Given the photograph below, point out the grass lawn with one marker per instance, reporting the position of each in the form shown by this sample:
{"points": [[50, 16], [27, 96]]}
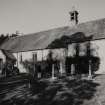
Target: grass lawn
{"points": [[59, 92]]}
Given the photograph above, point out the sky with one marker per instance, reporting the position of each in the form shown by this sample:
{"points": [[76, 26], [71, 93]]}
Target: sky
{"points": [[30, 16]]}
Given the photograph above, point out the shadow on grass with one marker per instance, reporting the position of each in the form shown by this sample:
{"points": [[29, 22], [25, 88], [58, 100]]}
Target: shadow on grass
{"points": [[63, 92], [59, 92]]}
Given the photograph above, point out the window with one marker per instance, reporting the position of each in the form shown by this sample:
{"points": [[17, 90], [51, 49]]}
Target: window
{"points": [[1, 64], [21, 59], [72, 16], [34, 57]]}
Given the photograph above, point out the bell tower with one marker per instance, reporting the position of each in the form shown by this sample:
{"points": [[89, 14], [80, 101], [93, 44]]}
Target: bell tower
{"points": [[73, 17]]}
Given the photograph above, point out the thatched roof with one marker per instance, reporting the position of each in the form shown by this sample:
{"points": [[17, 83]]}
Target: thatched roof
{"points": [[44, 39]]}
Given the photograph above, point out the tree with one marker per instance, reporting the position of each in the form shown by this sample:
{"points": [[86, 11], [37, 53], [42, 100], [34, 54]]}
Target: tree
{"points": [[3, 38]]}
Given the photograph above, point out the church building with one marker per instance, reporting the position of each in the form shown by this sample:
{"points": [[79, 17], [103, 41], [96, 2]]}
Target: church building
{"points": [[76, 48]]}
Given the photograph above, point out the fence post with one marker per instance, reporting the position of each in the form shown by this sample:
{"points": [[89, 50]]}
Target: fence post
{"points": [[53, 72], [90, 72]]}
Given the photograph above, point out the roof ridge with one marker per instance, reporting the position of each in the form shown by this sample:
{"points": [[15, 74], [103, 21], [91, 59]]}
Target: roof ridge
{"points": [[40, 40], [91, 21], [56, 28]]}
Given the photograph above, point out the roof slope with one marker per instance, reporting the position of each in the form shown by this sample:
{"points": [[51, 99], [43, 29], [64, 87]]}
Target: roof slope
{"points": [[9, 55], [42, 40]]}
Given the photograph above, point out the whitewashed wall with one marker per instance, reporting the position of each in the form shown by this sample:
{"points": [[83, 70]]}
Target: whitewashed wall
{"points": [[71, 50], [82, 49], [99, 45], [97, 49], [2, 56], [41, 55]]}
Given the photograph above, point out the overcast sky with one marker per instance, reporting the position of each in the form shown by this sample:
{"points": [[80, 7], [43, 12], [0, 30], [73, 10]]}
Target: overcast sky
{"points": [[30, 16]]}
